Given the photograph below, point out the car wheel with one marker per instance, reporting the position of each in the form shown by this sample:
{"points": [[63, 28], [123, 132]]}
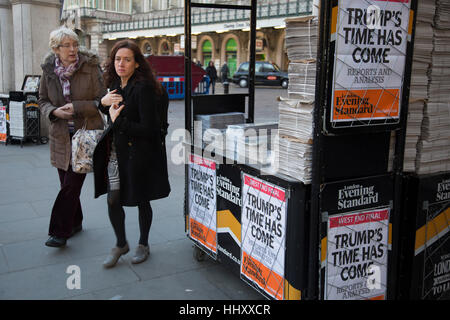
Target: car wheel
{"points": [[284, 83], [243, 83]]}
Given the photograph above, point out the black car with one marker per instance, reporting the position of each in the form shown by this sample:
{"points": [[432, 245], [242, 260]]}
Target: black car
{"points": [[266, 73]]}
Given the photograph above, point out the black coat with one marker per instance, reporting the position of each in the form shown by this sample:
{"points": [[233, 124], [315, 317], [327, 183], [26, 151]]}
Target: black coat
{"points": [[212, 72], [141, 151]]}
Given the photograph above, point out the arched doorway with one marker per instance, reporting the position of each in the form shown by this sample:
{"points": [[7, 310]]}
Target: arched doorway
{"points": [[261, 53], [282, 59], [231, 55], [146, 48], [164, 49], [206, 52]]}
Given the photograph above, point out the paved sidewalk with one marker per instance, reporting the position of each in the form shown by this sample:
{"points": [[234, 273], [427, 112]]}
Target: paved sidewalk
{"points": [[30, 270]]}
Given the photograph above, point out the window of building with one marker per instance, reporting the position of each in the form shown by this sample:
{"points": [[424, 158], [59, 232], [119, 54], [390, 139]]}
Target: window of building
{"points": [[138, 6], [70, 4], [89, 3], [110, 5], [154, 4], [163, 4], [124, 5]]}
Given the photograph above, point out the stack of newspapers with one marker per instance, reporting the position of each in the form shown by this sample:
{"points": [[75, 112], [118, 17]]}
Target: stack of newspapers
{"points": [[423, 46], [296, 112], [442, 19], [433, 147], [427, 9], [413, 132], [295, 129], [301, 38], [302, 79], [415, 117], [301, 46], [251, 142], [219, 121], [427, 144], [295, 119], [295, 159], [439, 84]]}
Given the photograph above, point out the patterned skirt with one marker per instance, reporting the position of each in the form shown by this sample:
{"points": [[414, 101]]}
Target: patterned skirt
{"points": [[113, 170]]}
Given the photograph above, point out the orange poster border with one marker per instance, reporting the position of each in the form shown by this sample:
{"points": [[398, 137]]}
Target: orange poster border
{"points": [[209, 241], [268, 280], [366, 104]]}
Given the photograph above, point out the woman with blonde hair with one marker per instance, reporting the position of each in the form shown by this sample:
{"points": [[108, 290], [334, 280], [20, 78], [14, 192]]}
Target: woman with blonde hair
{"points": [[70, 90]]}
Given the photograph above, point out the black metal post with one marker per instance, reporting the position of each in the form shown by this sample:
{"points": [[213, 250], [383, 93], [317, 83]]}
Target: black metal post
{"points": [[251, 75], [316, 181], [399, 154], [187, 105], [187, 67]]}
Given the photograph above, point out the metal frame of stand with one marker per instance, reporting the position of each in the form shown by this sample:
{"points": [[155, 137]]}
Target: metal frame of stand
{"points": [[228, 100]]}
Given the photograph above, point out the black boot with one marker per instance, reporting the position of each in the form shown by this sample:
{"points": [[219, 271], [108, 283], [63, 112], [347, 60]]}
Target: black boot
{"points": [[55, 242]]}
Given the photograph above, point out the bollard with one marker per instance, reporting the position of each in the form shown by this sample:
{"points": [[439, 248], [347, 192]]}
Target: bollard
{"points": [[226, 87]]}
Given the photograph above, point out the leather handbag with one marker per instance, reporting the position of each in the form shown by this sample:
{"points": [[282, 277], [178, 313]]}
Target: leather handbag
{"points": [[83, 145]]}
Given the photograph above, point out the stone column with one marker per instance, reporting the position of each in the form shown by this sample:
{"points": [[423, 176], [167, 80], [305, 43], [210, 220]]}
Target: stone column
{"points": [[6, 48], [97, 44], [33, 20]]}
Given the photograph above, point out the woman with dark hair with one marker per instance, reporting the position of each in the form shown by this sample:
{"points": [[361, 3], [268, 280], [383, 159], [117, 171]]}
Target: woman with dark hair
{"points": [[130, 162]]}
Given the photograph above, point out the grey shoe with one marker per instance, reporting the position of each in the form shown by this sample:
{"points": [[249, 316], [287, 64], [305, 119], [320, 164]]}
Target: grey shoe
{"points": [[141, 254], [114, 256]]}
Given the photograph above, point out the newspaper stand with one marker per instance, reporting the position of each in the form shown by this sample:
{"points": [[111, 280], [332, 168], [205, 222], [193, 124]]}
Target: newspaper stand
{"points": [[24, 113], [355, 202], [268, 251], [347, 234], [425, 265], [254, 224]]}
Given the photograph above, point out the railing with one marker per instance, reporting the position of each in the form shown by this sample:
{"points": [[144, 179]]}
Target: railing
{"points": [[85, 12], [264, 11]]}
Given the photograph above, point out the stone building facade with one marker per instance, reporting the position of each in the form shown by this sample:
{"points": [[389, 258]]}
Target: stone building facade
{"points": [[24, 29], [158, 27]]}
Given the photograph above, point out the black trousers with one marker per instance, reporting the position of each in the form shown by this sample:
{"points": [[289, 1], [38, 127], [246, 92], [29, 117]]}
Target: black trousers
{"points": [[66, 212], [213, 85]]}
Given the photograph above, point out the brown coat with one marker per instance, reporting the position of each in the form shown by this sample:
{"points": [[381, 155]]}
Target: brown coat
{"points": [[86, 89]]}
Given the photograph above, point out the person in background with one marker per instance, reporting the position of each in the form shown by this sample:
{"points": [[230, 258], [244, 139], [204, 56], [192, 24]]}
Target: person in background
{"points": [[130, 162], [212, 74], [70, 91], [225, 72]]}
